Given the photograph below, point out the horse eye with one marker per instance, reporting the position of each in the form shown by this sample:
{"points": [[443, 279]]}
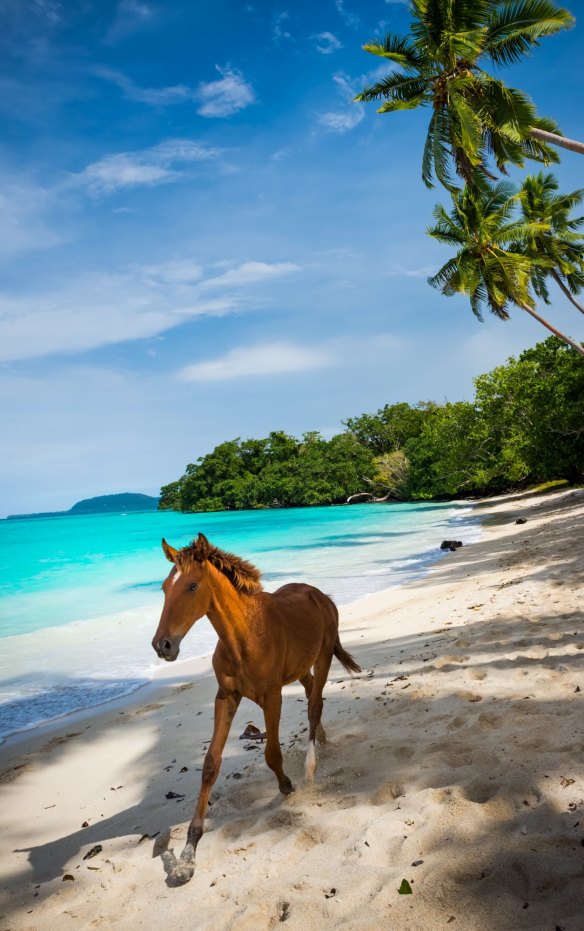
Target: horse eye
{"points": [[193, 587]]}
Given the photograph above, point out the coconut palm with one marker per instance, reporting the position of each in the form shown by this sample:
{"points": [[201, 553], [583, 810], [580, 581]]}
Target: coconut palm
{"points": [[489, 267], [474, 115], [558, 238]]}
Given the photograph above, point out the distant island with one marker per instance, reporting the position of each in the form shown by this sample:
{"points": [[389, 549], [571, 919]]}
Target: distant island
{"points": [[103, 504]]}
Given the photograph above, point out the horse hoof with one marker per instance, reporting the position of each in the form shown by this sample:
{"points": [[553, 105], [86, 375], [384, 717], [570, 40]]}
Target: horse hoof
{"points": [[286, 787], [183, 872]]}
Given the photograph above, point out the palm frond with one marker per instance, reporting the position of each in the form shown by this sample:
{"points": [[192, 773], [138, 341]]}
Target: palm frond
{"points": [[399, 49], [400, 85], [444, 274], [515, 27]]}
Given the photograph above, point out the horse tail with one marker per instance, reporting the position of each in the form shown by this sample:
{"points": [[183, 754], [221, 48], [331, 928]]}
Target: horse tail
{"points": [[344, 658]]}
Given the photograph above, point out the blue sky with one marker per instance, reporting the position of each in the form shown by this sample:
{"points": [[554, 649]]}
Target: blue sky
{"points": [[203, 237]]}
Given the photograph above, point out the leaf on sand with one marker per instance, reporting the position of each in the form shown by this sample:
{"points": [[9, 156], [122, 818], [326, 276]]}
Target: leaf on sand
{"points": [[565, 782], [67, 877], [173, 795], [405, 888], [252, 733], [93, 852]]}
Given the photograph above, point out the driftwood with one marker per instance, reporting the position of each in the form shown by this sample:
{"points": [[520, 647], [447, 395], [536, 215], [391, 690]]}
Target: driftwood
{"points": [[371, 499]]}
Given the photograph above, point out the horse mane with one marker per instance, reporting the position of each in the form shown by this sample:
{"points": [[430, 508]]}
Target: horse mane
{"points": [[244, 576]]}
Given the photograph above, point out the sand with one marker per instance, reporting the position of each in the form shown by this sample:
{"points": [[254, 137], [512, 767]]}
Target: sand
{"points": [[455, 762]]}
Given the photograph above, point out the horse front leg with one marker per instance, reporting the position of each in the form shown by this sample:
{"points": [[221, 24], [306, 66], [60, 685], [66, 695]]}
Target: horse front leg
{"points": [[226, 704], [272, 706]]}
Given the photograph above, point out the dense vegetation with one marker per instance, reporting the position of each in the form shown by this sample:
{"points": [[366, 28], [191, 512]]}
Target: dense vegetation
{"points": [[525, 425]]}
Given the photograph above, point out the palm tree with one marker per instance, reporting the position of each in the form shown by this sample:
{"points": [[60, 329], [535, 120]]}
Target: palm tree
{"points": [[489, 267], [557, 239], [474, 115]]}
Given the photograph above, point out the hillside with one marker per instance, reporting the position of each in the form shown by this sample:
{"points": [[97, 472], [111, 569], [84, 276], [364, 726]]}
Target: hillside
{"points": [[102, 504]]}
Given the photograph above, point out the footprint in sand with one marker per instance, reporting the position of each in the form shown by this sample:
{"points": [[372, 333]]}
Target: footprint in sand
{"points": [[456, 722], [9, 775], [449, 661], [480, 792], [404, 752], [284, 819], [488, 720], [147, 709], [468, 696], [387, 792], [311, 837]]}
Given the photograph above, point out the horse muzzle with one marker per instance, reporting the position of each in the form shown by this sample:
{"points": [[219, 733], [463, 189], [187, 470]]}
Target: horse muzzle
{"points": [[167, 648]]}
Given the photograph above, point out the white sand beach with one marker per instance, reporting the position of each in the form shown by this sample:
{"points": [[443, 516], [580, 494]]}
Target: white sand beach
{"points": [[455, 762]]}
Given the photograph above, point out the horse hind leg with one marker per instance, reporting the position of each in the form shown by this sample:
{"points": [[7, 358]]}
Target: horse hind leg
{"points": [[272, 706], [307, 682], [321, 671]]}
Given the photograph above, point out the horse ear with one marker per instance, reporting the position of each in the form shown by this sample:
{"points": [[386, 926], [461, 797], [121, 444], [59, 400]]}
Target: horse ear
{"points": [[169, 551], [203, 545]]}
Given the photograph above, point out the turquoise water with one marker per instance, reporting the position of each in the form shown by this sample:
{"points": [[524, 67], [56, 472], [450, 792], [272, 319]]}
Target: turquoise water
{"points": [[80, 596]]}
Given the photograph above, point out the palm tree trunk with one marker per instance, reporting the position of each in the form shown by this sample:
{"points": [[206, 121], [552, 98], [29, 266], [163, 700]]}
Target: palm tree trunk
{"points": [[554, 139], [552, 329], [566, 291]]}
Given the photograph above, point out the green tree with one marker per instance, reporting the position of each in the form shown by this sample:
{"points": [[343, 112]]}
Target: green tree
{"points": [[474, 115], [534, 405], [488, 267], [557, 237], [455, 454], [392, 475], [391, 427]]}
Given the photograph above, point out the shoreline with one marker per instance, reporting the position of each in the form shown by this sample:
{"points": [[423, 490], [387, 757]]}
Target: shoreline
{"points": [[456, 761], [423, 564]]}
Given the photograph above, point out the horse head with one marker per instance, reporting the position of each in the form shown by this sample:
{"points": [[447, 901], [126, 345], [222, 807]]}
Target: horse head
{"points": [[186, 596]]}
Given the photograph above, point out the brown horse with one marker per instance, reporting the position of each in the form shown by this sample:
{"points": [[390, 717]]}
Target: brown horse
{"points": [[265, 642]]}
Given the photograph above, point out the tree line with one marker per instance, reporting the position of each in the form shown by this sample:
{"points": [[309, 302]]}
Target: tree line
{"points": [[524, 425]]}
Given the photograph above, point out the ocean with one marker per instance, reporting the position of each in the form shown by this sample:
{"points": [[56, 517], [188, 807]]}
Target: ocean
{"points": [[80, 596]]}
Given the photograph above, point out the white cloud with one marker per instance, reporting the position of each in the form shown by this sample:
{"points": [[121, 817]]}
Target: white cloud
{"points": [[342, 121], [279, 30], [399, 271], [50, 9], [23, 224], [251, 361], [326, 43], [130, 16], [350, 19], [103, 309], [155, 96], [225, 96], [215, 99], [345, 119], [249, 273], [157, 165], [179, 271]]}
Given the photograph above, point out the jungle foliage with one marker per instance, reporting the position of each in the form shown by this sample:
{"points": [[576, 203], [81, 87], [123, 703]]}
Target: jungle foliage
{"points": [[525, 425]]}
